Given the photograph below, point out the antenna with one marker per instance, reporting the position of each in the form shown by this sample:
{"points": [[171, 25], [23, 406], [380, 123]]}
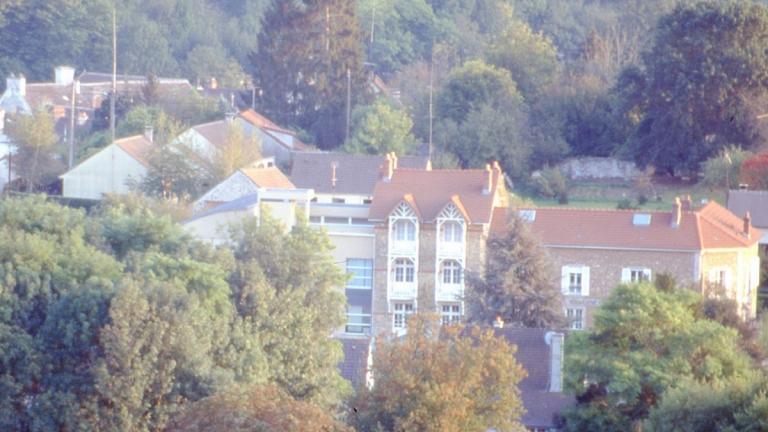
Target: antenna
{"points": [[431, 68]]}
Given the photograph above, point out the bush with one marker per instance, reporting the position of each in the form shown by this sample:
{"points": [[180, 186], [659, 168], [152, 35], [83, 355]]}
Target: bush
{"points": [[625, 204], [550, 183], [754, 171]]}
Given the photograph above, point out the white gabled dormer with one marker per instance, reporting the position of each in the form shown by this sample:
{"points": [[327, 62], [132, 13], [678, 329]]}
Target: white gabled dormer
{"points": [[450, 258], [402, 261]]}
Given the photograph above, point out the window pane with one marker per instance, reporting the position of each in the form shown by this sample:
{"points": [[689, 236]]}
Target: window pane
{"points": [[362, 273]]}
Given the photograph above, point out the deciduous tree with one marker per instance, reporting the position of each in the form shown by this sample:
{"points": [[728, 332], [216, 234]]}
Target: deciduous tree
{"points": [[380, 128]]}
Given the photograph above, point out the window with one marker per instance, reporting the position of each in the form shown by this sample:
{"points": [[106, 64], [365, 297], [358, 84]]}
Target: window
{"points": [[635, 274], [336, 220], [405, 230], [402, 310], [452, 232], [450, 313], [575, 280], [404, 270], [451, 272], [362, 273], [575, 316], [720, 277], [315, 220], [358, 319], [338, 200]]}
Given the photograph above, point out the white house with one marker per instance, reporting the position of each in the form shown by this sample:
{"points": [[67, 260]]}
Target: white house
{"points": [[212, 225], [245, 181], [111, 170]]}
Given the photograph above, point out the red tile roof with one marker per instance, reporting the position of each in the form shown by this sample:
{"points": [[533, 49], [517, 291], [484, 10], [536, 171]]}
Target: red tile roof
{"points": [[432, 190], [268, 177], [137, 147], [711, 226]]}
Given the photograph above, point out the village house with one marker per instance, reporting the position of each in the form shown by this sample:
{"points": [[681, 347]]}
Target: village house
{"points": [[594, 250], [111, 170], [426, 224]]}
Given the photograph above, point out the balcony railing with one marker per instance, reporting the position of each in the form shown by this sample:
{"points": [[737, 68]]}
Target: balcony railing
{"points": [[451, 249], [450, 292], [358, 323], [403, 290], [404, 247]]}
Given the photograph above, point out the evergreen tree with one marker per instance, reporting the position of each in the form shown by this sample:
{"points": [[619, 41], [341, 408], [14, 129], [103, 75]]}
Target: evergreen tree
{"points": [[302, 62]]}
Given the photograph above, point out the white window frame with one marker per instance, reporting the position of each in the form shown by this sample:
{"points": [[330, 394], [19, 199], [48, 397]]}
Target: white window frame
{"points": [[452, 232], [720, 276], [567, 273], [576, 317], [450, 313], [451, 272], [403, 267], [400, 313], [630, 275], [404, 230]]}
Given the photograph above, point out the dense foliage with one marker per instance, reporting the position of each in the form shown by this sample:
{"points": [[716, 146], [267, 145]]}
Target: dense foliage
{"points": [[442, 378], [118, 320]]}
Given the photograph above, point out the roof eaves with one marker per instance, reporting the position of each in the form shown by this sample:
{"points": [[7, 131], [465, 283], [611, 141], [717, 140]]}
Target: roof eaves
{"points": [[456, 200], [411, 201]]}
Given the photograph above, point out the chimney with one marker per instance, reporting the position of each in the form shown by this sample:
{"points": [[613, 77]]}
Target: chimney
{"points": [[747, 224], [334, 164], [64, 75], [387, 168], [498, 322], [677, 214], [489, 180], [556, 343], [149, 133], [687, 203]]}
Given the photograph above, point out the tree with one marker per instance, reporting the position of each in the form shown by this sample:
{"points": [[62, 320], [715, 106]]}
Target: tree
{"points": [[379, 129], [754, 171], [205, 62], [691, 106], [285, 286], [517, 284], [237, 151], [472, 86], [724, 169], [302, 65], [38, 154], [736, 404], [530, 57], [255, 409], [643, 343], [442, 379]]}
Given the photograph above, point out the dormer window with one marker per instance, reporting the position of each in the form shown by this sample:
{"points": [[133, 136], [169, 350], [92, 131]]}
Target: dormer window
{"points": [[405, 230], [452, 232]]}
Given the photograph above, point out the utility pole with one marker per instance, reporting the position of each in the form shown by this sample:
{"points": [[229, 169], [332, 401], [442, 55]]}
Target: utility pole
{"points": [[431, 67], [349, 103], [373, 29], [114, 88], [71, 136]]}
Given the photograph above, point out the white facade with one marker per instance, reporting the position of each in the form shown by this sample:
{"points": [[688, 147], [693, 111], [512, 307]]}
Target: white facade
{"points": [[234, 187], [111, 170]]}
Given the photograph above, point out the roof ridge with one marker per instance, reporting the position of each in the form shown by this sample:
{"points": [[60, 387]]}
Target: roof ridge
{"points": [[722, 226], [595, 209]]}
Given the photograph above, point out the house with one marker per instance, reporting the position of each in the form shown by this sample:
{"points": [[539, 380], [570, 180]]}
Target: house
{"points": [[91, 88], [262, 174], [754, 202], [285, 205], [343, 178], [111, 170], [540, 353], [708, 248], [431, 226], [275, 141]]}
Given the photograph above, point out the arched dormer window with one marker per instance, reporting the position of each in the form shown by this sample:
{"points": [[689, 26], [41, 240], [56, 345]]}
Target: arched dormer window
{"points": [[403, 222], [404, 230], [451, 224]]}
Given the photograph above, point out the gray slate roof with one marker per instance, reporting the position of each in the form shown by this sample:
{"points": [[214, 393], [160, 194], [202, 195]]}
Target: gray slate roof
{"points": [[753, 201], [355, 174]]}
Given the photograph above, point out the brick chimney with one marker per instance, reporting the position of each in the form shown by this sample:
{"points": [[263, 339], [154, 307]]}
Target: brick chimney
{"points": [[387, 168], [149, 133], [498, 322], [677, 214], [489, 180], [556, 343], [747, 225]]}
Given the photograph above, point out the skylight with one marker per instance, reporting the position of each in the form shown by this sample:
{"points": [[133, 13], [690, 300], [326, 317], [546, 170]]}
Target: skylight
{"points": [[527, 215], [641, 219]]}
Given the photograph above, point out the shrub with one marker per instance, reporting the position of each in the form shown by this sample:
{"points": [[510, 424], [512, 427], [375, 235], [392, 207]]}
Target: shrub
{"points": [[754, 171], [550, 183]]}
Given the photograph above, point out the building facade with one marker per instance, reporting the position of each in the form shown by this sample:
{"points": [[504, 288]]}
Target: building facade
{"points": [[706, 248]]}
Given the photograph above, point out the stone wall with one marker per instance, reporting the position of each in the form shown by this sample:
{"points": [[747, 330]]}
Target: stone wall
{"points": [[599, 168]]}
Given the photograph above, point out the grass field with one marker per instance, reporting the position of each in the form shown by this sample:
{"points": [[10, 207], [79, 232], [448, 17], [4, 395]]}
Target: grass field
{"points": [[587, 194]]}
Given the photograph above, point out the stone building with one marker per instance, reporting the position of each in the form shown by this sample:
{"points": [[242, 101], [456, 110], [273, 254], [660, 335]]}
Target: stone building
{"points": [[430, 227], [707, 248]]}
